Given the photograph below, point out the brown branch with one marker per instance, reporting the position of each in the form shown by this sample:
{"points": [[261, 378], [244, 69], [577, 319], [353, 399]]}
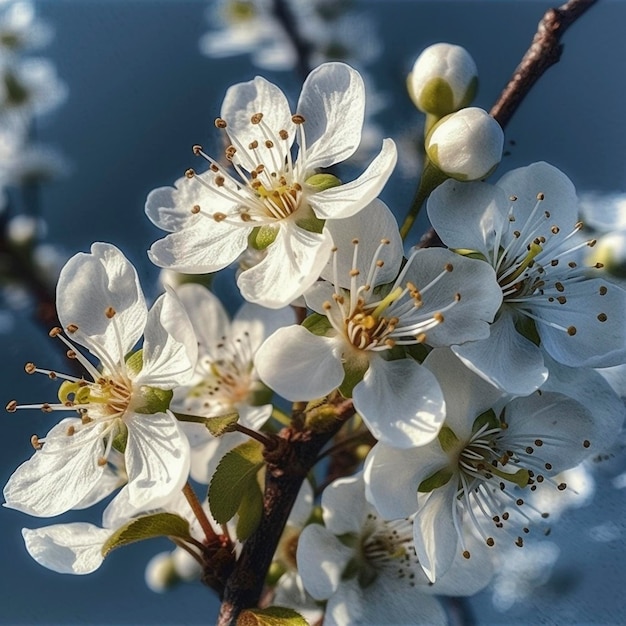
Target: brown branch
{"points": [[545, 50], [287, 467]]}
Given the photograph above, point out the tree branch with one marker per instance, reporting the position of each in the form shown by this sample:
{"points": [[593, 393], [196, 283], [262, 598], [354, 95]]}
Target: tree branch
{"points": [[545, 50]]}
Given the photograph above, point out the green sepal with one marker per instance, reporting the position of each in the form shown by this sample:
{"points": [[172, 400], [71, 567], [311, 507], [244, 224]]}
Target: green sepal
{"points": [[354, 370], [317, 324], [470, 254], [154, 400], [232, 478], [470, 94], [262, 236], [438, 479], [221, 424], [148, 527], [271, 616], [134, 362], [321, 182], [447, 439], [121, 439], [527, 328], [436, 97], [250, 511], [487, 418], [311, 223], [417, 351]]}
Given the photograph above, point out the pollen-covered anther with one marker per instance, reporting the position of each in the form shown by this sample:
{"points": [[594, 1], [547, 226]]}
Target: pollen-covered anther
{"points": [[448, 267], [30, 368], [11, 407], [438, 317], [421, 338], [70, 431], [603, 290], [34, 441], [190, 173], [70, 354], [256, 118], [519, 542], [102, 461], [195, 209], [561, 486], [586, 443], [466, 554], [197, 149], [283, 134], [219, 217], [253, 145], [298, 119], [490, 542], [55, 332], [220, 123], [571, 330], [540, 196], [219, 181], [269, 143], [602, 317], [592, 242], [110, 312], [46, 408]]}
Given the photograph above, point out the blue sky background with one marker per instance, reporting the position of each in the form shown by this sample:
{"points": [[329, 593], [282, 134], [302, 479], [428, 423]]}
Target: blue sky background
{"points": [[140, 95]]}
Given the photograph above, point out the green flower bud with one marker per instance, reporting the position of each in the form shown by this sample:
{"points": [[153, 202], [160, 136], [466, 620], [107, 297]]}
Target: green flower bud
{"points": [[466, 145], [444, 79]]}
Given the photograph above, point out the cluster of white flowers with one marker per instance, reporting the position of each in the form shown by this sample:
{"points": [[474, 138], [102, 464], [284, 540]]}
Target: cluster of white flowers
{"points": [[470, 365]]}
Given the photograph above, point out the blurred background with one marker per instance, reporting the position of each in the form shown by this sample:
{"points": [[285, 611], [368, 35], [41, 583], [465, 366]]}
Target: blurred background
{"points": [[130, 86]]}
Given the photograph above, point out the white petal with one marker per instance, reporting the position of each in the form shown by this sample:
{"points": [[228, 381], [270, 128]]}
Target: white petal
{"points": [[559, 195], [473, 280], [203, 246], [436, 540], [333, 104], [347, 200], [303, 506], [88, 285], [321, 560], [292, 264], [560, 422], [374, 223], [465, 393], [594, 392], [157, 458], [596, 343], [299, 365], [244, 100], [469, 215], [208, 317], [59, 476], [401, 402], [170, 348], [506, 358], [259, 322], [67, 548], [392, 476], [344, 506], [387, 601]]}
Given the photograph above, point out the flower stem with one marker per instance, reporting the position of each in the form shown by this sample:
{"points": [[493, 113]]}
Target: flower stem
{"points": [[201, 516]]}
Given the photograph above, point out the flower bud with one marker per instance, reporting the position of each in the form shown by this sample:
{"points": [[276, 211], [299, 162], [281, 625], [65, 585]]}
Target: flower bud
{"points": [[466, 145], [160, 573], [610, 251], [444, 79]]}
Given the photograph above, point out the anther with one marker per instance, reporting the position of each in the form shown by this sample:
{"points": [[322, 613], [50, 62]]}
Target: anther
{"points": [[46, 408], [559, 287], [540, 196], [519, 542], [561, 299], [190, 173], [110, 312], [256, 118], [548, 466], [490, 542], [30, 368], [438, 317], [538, 443], [269, 144], [586, 443], [219, 217], [70, 431], [519, 502], [220, 123], [253, 145], [571, 330], [526, 530], [562, 487], [297, 119], [11, 407], [283, 134], [55, 332], [466, 554], [603, 290], [195, 209], [219, 181], [70, 354], [505, 516], [529, 450], [448, 267], [512, 198], [196, 149], [602, 317], [34, 441], [102, 461]]}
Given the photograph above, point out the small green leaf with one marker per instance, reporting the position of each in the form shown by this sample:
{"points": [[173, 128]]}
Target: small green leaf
{"points": [[262, 236], [447, 439], [488, 418], [250, 511], [317, 324], [321, 182], [235, 472], [148, 527], [438, 479], [221, 424], [354, 371], [271, 616]]}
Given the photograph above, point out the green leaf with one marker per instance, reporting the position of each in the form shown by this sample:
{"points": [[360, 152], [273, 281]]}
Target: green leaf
{"points": [[148, 527], [438, 479], [271, 616], [221, 424], [250, 511], [233, 476], [317, 324], [447, 439]]}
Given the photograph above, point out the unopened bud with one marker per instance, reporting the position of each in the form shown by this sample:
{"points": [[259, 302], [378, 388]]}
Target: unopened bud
{"points": [[444, 79], [466, 145]]}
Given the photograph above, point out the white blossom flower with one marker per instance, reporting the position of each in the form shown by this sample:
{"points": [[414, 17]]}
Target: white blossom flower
{"points": [[434, 300], [466, 145], [123, 404], [367, 568], [444, 79], [225, 380], [488, 461], [274, 199], [20, 29], [523, 226]]}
